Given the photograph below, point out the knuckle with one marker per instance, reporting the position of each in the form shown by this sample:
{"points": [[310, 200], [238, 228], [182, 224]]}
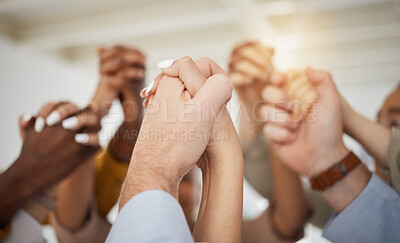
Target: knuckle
{"points": [[185, 60]]}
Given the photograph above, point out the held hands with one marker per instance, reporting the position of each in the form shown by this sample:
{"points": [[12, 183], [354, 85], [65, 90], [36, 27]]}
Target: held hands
{"points": [[122, 71], [308, 144], [182, 106], [250, 68], [49, 153]]}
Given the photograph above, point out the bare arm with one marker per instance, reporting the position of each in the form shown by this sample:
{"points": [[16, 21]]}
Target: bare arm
{"points": [[220, 214], [374, 137], [290, 210]]}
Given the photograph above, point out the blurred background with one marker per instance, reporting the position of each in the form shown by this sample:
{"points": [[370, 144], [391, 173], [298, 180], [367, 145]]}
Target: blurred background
{"points": [[48, 47]]}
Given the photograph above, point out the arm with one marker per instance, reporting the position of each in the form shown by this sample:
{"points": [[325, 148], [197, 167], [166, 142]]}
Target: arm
{"points": [[220, 213], [369, 210], [291, 210], [375, 141], [14, 191], [313, 147], [116, 79], [284, 220]]}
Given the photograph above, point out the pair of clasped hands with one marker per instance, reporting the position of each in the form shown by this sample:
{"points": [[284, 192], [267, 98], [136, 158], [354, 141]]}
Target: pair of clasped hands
{"points": [[189, 97]]}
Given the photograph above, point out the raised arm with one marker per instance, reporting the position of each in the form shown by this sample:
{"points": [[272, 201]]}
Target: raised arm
{"points": [[219, 218], [375, 141]]}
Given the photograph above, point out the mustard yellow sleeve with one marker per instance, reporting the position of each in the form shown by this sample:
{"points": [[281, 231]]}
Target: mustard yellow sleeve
{"points": [[110, 174], [5, 231]]}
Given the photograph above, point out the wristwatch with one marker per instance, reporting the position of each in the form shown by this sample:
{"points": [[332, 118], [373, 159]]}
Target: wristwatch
{"points": [[335, 173]]}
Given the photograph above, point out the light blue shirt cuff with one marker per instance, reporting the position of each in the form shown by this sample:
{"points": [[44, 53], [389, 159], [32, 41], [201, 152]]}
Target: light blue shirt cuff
{"points": [[151, 216], [372, 217]]}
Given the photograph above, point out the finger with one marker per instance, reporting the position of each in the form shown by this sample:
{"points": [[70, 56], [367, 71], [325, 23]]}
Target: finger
{"points": [[209, 67], [24, 121], [215, 92], [90, 139], [134, 59], [114, 81], [131, 73], [80, 121], [239, 79], [42, 115], [186, 70], [108, 53], [278, 116], [321, 80], [278, 134], [61, 112], [111, 66], [206, 66], [247, 68], [276, 96], [278, 79], [238, 48]]}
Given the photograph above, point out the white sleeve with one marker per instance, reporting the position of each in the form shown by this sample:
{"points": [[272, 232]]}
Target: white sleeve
{"points": [[24, 228], [151, 216]]}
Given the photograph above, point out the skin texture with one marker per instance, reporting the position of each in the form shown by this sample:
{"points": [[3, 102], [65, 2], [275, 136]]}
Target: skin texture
{"points": [[122, 76], [291, 210], [250, 68], [377, 140], [206, 85], [302, 148], [45, 159]]}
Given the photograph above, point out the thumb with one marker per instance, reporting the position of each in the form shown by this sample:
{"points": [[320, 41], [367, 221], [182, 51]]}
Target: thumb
{"points": [[100, 49], [321, 80], [216, 91]]}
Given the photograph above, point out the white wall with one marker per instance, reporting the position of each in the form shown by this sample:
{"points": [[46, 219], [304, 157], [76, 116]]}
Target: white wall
{"points": [[27, 81]]}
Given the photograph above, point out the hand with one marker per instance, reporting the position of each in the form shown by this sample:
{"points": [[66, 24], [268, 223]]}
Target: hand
{"points": [[122, 75], [250, 69], [54, 151], [183, 125], [308, 146], [223, 125], [51, 151]]}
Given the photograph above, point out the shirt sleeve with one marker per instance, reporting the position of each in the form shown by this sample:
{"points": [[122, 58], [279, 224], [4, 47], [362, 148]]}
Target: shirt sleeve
{"points": [[24, 228], [372, 217], [151, 216], [110, 174]]}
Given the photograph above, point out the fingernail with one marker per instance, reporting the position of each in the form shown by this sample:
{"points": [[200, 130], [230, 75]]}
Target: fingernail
{"points": [[166, 63], [142, 93], [81, 138], [53, 118], [27, 117], [70, 122], [39, 124], [148, 89]]}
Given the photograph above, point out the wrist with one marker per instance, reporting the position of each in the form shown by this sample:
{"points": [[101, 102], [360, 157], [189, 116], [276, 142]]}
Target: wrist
{"points": [[330, 158], [350, 120], [144, 175], [22, 180], [345, 191]]}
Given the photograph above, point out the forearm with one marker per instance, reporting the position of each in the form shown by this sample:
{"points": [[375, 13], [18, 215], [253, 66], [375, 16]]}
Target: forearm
{"points": [[102, 99], [343, 192], [124, 140], [14, 193], [290, 210], [75, 195], [220, 214], [374, 137]]}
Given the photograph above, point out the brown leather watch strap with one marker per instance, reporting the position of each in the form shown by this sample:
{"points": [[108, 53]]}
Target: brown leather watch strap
{"points": [[335, 173]]}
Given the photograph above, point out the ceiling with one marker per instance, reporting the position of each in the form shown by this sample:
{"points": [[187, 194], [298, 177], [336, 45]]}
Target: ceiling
{"points": [[358, 35]]}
